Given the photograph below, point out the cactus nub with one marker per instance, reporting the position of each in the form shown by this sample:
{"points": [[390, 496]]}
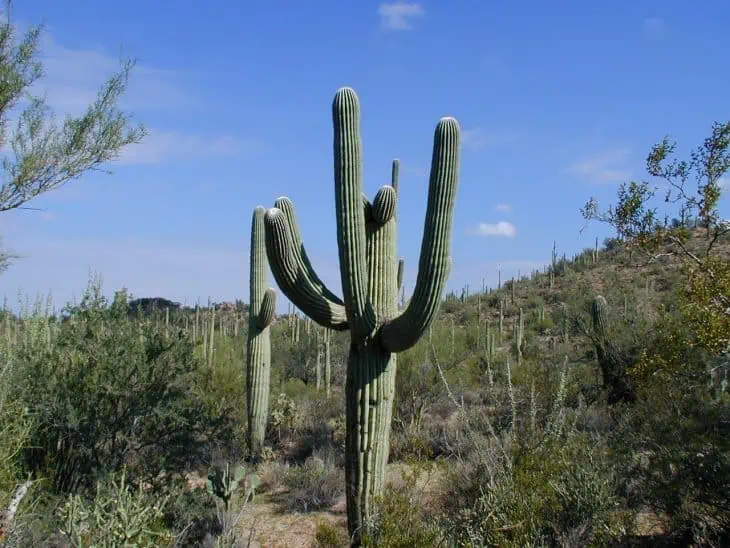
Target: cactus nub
{"points": [[258, 358], [369, 273]]}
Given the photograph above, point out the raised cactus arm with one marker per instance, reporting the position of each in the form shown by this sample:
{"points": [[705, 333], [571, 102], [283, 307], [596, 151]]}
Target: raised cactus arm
{"points": [[401, 268], [296, 283], [286, 206], [267, 309], [351, 237], [395, 175], [434, 264]]}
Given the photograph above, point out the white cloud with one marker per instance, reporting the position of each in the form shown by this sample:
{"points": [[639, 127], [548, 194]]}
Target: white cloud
{"points": [[502, 229], [605, 167], [655, 27], [477, 138], [723, 183], [160, 146], [73, 77], [399, 15], [506, 208]]}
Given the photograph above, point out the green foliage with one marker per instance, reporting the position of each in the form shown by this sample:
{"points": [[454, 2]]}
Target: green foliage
{"points": [[45, 155], [672, 454], [191, 515], [118, 516], [314, 485], [330, 536], [224, 480], [400, 521], [111, 391]]}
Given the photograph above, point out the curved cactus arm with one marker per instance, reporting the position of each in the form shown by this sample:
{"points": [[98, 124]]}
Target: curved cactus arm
{"points": [[434, 265], [383, 208], [401, 268], [351, 237], [292, 279], [367, 208], [287, 207], [267, 310], [395, 175]]}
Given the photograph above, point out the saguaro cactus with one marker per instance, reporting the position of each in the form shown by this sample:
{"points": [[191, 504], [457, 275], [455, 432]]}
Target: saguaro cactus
{"points": [[258, 357], [612, 360], [368, 269]]}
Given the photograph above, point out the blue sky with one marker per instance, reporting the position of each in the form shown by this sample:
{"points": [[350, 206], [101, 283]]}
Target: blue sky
{"points": [[558, 101]]}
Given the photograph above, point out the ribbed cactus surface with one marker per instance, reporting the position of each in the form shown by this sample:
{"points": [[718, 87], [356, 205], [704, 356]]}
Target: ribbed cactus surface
{"points": [[366, 238], [612, 361], [258, 357]]}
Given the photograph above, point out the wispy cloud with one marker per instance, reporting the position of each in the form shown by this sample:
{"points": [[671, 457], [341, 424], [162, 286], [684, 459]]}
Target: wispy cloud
{"points": [[506, 208], [73, 77], [477, 138], [399, 15], [161, 146], [605, 167], [502, 229], [655, 27]]}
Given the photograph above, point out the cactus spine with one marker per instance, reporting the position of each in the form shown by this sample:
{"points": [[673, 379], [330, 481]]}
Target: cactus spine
{"points": [[258, 355], [368, 270]]}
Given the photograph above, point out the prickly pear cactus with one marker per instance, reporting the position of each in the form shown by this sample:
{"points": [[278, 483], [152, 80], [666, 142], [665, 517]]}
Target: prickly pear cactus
{"points": [[368, 270]]}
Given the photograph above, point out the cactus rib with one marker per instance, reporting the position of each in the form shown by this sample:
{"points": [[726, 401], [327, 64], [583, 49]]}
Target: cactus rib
{"points": [[258, 356], [289, 273], [434, 265]]}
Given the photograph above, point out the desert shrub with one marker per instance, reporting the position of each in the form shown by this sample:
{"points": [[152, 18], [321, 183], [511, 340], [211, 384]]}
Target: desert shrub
{"points": [[191, 515], [116, 516], [316, 484], [532, 480], [110, 391], [328, 535], [672, 455], [399, 517]]}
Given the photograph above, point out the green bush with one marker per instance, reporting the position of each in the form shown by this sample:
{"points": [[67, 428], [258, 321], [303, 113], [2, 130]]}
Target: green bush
{"points": [[314, 485], [110, 391]]}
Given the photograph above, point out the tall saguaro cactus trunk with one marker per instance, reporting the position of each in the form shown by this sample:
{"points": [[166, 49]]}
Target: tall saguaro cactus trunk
{"points": [[258, 357], [368, 267]]}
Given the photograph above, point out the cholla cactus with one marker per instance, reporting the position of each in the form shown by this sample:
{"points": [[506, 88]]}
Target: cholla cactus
{"points": [[368, 269], [261, 314]]}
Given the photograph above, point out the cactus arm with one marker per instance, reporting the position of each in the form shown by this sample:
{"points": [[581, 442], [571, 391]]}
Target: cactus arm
{"points": [[287, 207], [367, 208], [395, 175], [291, 277], [434, 266], [267, 309], [351, 237], [383, 208], [401, 268]]}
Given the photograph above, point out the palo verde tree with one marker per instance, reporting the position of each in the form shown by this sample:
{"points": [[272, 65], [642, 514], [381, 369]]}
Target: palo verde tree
{"points": [[694, 187], [37, 153], [368, 270]]}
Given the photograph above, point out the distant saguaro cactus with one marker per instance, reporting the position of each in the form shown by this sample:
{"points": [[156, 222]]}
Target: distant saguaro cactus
{"points": [[258, 357], [368, 270], [611, 359]]}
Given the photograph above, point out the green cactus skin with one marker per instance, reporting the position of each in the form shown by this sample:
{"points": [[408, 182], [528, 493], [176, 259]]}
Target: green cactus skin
{"points": [[327, 361], [368, 269], [610, 357], [258, 356]]}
